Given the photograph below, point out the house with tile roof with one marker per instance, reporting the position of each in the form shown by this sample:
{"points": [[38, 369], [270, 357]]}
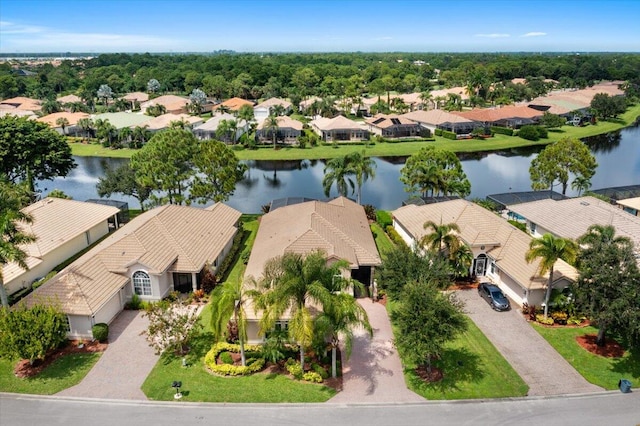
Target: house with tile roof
{"points": [[572, 217], [22, 103], [288, 132], [70, 99], [263, 109], [72, 118], [62, 229], [123, 119], [512, 116], [440, 119], [498, 247], [162, 250], [393, 126], [209, 129], [339, 129], [339, 228], [172, 103], [164, 121], [233, 104]]}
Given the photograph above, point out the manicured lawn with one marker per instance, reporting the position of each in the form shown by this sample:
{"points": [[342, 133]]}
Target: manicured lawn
{"points": [[383, 242], [63, 373], [498, 142], [596, 369], [472, 367], [250, 225]]}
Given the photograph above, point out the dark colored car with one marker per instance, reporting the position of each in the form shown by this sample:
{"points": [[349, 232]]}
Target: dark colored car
{"points": [[494, 297]]}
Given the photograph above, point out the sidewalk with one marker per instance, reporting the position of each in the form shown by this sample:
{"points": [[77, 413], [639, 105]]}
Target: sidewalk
{"points": [[374, 373]]}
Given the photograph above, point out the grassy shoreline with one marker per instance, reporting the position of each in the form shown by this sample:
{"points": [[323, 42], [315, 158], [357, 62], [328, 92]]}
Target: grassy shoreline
{"points": [[391, 149]]}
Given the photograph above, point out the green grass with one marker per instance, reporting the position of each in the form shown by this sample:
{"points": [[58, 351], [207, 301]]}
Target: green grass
{"points": [[63, 373], [198, 385], [382, 240], [596, 369], [473, 368], [250, 226], [385, 149]]}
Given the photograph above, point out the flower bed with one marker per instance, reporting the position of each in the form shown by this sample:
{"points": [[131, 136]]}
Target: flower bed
{"points": [[255, 362]]}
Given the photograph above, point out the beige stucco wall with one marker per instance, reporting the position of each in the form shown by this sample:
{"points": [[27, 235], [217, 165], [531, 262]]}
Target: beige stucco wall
{"points": [[253, 335], [57, 256], [80, 327], [109, 310]]}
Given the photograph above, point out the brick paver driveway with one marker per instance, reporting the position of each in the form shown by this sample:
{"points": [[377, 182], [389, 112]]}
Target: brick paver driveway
{"points": [[125, 364], [374, 373], [539, 365]]}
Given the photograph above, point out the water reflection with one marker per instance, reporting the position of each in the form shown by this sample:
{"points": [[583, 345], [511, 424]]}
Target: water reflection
{"points": [[618, 157]]}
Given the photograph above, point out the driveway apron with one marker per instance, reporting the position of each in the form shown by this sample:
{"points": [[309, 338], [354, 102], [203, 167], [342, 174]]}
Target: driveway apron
{"points": [[373, 373], [123, 367], [535, 360]]}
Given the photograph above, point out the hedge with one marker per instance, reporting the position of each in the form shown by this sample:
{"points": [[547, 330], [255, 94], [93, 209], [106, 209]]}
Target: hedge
{"points": [[100, 332], [502, 130], [395, 237], [254, 363], [384, 218], [230, 257], [449, 135], [438, 132]]}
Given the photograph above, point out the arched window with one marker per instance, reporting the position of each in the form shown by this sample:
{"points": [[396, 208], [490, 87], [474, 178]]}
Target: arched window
{"points": [[142, 283]]}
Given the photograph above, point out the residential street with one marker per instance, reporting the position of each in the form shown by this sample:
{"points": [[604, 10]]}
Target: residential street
{"points": [[540, 366]]}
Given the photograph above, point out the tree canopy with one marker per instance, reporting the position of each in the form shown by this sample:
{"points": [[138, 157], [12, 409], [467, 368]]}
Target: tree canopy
{"points": [[433, 172], [558, 161], [31, 150], [122, 180]]}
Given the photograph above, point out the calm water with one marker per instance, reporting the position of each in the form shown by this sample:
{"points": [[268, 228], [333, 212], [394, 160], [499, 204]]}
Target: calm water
{"points": [[618, 156]]}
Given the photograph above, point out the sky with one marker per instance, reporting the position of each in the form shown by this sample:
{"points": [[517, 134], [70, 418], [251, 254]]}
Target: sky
{"points": [[35, 26]]}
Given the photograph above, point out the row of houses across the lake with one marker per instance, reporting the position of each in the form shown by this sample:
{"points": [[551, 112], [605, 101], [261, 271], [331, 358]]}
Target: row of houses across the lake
{"points": [[171, 247], [424, 115]]}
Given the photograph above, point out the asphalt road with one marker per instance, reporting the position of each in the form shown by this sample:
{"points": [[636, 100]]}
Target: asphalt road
{"points": [[607, 408]]}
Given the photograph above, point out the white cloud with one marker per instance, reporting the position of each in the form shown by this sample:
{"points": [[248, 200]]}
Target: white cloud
{"points": [[493, 35], [40, 39], [534, 34]]}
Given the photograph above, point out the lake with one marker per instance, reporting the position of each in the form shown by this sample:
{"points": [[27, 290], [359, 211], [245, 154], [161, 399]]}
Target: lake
{"points": [[618, 156]]}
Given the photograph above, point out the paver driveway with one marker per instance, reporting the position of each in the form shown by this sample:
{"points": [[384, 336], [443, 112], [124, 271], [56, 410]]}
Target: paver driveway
{"points": [[374, 373], [125, 364], [535, 360]]}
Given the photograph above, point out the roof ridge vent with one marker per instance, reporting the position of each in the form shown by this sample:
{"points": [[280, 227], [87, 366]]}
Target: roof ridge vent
{"points": [[584, 203]]}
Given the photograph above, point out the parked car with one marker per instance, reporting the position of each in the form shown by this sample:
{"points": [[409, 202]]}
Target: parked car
{"points": [[494, 297]]}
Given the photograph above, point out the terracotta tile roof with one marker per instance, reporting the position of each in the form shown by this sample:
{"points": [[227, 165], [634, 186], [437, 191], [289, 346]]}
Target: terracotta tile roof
{"points": [[384, 121], [136, 96], [284, 122], [72, 117], [480, 227], [461, 91], [572, 217], [564, 101], [496, 114], [168, 238], [234, 104], [17, 112], [435, 117], [57, 221], [69, 99], [170, 102], [339, 227], [337, 123], [164, 121], [273, 102], [307, 102], [23, 103]]}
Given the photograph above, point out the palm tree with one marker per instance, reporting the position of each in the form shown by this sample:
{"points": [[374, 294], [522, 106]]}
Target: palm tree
{"points": [[125, 135], [140, 135], [86, 124], [338, 170], [426, 98], [271, 126], [549, 249], [50, 106], [63, 122], [341, 317], [229, 301], [363, 168], [292, 282], [441, 239], [12, 238], [461, 260], [580, 183]]}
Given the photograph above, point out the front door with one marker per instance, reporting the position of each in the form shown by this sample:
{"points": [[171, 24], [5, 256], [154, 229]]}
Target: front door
{"points": [[481, 264]]}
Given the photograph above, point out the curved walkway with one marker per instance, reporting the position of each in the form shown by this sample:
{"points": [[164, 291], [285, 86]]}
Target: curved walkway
{"points": [[124, 366], [374, 372], [536, 361]]}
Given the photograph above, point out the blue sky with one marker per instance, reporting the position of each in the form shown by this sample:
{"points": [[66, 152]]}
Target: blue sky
{"points": [[318, 26]]}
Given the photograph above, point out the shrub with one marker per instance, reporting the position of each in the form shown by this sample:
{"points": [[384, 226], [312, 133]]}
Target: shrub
{"points": [[320, 371], [226, 357], [395, 237], [370, 211], [100, 332], [437, 132], [542, 320], [230, 257], [529, 132], [559, 317], [312, 376], [255, 362], [449, 135], [384, 218], [521, 226], [295, 370], [135, 303], [502, 130]]}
